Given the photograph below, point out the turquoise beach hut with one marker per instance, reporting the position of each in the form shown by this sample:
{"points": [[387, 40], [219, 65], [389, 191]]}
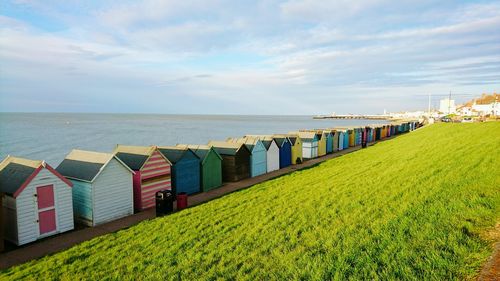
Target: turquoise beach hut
{"points": [[346, 139]]}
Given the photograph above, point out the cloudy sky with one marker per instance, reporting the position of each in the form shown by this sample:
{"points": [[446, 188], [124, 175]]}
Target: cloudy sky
{"points": [[245, 57]]}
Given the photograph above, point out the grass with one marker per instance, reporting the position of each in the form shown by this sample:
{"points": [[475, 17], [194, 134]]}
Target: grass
{"points": [[411, 208]]}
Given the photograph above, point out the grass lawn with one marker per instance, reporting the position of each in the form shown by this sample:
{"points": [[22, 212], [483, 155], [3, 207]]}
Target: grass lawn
{"points": [[411, 208]]}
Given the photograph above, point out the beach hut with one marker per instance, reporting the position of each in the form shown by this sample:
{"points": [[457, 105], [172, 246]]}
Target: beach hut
{"points": [[102, 186], [355, 136], [349, 137], [309, 144], [352, 137], [321, 141], [185, 169], [152, 172], [210, 166], [296, 144], [378, 132], [285, 151], [346, 139], [335, 135], [258, 159], [370, 133], [329, 140], [235, 160], [341, 139], [37, 200], [273, 151]]}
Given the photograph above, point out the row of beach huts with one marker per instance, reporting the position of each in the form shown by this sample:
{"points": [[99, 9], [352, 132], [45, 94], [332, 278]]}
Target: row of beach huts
{"points": [[93, 188]]}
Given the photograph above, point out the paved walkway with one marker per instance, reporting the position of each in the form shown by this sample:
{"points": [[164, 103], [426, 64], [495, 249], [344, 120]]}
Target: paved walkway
{"points": [[63, 241]]}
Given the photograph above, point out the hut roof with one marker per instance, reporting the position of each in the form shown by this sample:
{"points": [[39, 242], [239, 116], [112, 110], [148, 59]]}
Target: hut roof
{"points": [[85, 165], [226, 148], [16, 173], [133, 156], [200, 150], [267, 140], [291, 137], [250, 143], [305, 135], [174, 153]]}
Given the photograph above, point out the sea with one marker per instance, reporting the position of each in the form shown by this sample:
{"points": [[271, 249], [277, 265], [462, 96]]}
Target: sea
{"points": [[51, 136]]}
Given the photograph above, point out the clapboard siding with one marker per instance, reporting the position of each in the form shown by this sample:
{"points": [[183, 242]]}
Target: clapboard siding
{"points": [[335, 141], [155, 175], [10, 219], [321, 144], [150, 188], [346, 139], [273, 157], [310, 149], [27, 207], [82, 201], [297, 151], [236, 167], [211, 171], [113, 193], [186, 174], [329, 142], [258, 160], [285, 154]]}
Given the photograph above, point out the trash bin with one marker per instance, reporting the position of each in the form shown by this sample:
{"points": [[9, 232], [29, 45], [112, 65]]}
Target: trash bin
{"points": [[182, 201], [164, 202]]}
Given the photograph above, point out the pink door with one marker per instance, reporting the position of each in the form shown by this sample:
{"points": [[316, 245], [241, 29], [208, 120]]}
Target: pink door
{"points": [[46, 209]]}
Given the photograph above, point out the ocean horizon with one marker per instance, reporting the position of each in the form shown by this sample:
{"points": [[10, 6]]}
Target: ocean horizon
{"points": [[51, 136]]}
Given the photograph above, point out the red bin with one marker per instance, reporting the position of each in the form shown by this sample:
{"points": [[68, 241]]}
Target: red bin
{"points": [[182, 201]]}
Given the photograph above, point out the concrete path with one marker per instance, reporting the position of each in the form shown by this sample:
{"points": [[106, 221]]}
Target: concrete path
{"points": [[54, 244]]}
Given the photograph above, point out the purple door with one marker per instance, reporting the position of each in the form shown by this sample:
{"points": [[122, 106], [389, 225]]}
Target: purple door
{"points": [[46, 209]]}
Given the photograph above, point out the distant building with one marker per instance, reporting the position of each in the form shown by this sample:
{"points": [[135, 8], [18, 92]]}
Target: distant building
{"points": [[487, 109], [447, 106], [467, 111]]}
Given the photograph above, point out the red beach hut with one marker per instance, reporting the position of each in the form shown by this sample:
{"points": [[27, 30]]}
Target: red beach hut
{"points": [[152, 172]]}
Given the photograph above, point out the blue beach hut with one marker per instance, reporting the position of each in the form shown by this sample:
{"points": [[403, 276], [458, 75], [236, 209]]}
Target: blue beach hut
{"points": [[341, 139], [329, 141], [285, 151], [185, 168], [346, 139]]}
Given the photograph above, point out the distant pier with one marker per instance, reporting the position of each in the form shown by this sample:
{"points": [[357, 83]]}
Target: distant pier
{"points": [[354, 116]]}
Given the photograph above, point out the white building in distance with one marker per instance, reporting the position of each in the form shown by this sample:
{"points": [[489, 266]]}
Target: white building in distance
{"points": [[487, 109], [447, 106]]}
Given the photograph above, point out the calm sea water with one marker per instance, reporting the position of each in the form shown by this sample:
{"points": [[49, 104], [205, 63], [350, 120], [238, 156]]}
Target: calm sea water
{"points": [[50, 136]]}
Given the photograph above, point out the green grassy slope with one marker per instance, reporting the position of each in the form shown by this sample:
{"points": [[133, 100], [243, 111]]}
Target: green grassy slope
{"points": [[409, 208]]}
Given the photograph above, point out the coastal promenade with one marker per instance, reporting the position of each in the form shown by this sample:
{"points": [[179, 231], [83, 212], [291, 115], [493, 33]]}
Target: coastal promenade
{"points": [[63, 241]]}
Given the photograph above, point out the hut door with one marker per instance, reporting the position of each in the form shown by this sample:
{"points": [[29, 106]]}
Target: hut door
{"points": [[46, 209]]}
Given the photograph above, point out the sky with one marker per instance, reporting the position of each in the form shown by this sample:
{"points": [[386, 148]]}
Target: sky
{"points": [[296, 57]]}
